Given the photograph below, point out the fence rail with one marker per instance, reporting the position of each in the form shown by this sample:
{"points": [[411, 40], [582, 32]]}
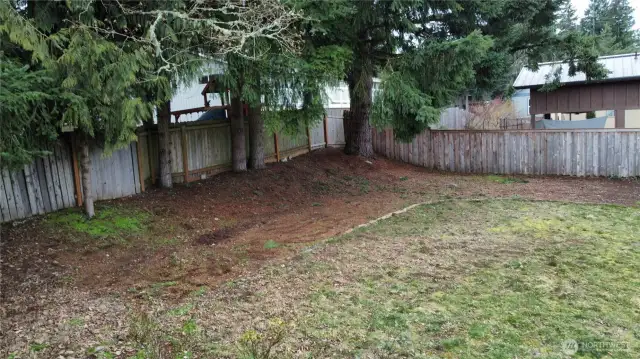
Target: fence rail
{"points": [[597, 152]]}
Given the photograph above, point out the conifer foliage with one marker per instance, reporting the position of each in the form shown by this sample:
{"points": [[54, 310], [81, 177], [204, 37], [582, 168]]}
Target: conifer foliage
{"points": [[102, 66], [610, 23], [429, 51]]}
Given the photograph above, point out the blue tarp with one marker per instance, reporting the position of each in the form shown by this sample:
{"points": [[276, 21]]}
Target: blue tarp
{"points": [[598, 122], [215, 114]]}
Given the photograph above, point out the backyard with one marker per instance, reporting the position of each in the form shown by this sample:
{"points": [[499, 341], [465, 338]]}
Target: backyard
{"points": [[259, 265]]}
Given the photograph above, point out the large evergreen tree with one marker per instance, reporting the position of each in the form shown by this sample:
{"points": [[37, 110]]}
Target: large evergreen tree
{"points": [[189, 34], [610, 24], [595, 17], [429, 51], [27, 120], [567, 19], [620, 19], [94, 74], [115, 60], [283, 90]]}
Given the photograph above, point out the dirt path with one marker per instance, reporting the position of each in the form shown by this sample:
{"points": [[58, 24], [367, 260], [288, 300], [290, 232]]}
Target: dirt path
{"points": [[210, 232]]}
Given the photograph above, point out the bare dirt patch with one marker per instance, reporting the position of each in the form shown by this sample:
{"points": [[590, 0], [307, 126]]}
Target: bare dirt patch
{"points": [[214, 237], [214, 231]]}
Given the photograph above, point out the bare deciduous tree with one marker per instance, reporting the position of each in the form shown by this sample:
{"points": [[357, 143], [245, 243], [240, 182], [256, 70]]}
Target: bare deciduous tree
{"points": [[214, 28]]}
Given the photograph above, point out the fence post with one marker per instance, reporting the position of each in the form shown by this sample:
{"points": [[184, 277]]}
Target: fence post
{"points": [[276, 147], [152, 171], [31, 191], [185, 155], [140, 174], [326, 132], [533, 121], [309, 138], [76, 172], [619, 118]]}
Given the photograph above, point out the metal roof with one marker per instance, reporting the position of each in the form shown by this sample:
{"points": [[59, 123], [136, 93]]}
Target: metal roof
{"points": [[621, 67]]}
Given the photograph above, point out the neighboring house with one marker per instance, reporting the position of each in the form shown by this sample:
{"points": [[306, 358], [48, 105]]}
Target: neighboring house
{"points": [[338, 96], [520, 101], [616, 97], [190, 97]]}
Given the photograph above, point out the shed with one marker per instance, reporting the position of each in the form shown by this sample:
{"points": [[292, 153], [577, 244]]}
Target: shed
{"points": [[620, 91]]}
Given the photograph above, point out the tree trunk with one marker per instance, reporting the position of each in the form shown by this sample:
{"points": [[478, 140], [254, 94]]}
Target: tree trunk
{"points": [[256, 138], [164, 144], [85, 165], [356, 126], [238, 142]]}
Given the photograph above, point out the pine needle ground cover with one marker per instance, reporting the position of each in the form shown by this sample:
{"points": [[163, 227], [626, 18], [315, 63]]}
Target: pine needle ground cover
{"points": [[455, 279]]}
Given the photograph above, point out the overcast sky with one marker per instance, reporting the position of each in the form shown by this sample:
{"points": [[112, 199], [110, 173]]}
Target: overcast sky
{"points": [[581, 6]]}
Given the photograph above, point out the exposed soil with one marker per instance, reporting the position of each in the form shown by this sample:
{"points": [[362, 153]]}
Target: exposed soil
{"points": [[213, 237], [213, 231]]}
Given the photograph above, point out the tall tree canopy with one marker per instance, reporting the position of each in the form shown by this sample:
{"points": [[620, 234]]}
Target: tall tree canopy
{"points": [[595, 17], [610, 25], [428, 51], [110, 62], [620, 19], [567, 17], [284, 90], [28, 122]]}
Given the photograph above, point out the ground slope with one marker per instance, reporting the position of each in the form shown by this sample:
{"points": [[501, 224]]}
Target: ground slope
{"points": [[63, 277]]}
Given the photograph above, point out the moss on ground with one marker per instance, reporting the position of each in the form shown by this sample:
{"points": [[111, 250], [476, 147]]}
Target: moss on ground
{"points": [[505, 180], [108, 222]]}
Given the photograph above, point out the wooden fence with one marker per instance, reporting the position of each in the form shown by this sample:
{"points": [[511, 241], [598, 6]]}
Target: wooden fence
{"points": [[453, 118], [52, 182], [115, 175], [198, 150], [335, 128], [43, 186], [201, 149], [592, 152]]}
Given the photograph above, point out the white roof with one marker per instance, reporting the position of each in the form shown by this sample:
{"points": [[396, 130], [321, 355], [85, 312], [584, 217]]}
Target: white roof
{"points": [[626, 66]]}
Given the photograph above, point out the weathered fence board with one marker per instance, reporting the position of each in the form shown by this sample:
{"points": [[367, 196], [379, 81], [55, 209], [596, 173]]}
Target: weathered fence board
{"points": [[453, 118], [289, 145], [335, 127], [112, 176], [42, 186], [317, 136], [590, 152], [208, 149]]}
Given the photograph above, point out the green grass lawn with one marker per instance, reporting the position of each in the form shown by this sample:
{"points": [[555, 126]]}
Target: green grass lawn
{"points": [[457, 279]]}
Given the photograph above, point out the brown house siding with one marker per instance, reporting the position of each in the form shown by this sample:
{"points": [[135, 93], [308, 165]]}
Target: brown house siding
{"points": [[585, 98]]}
